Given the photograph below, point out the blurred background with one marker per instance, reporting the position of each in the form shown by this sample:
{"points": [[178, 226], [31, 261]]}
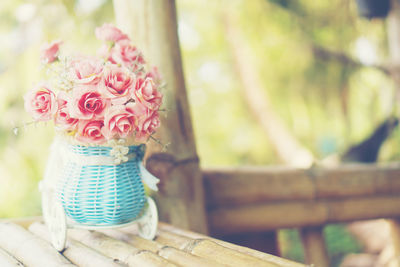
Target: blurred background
{"points": [[260, 74]]}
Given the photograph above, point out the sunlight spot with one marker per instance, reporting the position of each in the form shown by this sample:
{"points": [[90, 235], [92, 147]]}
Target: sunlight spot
{"points": [[25, 12], [365, 51], [188, 36], [210, 71]]}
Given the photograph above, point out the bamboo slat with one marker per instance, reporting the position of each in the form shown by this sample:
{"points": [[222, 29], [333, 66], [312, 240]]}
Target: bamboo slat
{"points": [[261, 217], [6, 260], [314, 246], [26, 247], [209, 249], [172, 240], [108, 246], [75, 251], [169, 246], [117, 249], [172, 247], [261, 255], [134, 240], [153, 27], [181, 238], [147, 258], [185, 259], [248, 185], [163, 249]]}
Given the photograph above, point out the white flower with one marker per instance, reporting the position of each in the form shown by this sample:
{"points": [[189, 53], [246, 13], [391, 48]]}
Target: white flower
{"points": [[119, 151]]}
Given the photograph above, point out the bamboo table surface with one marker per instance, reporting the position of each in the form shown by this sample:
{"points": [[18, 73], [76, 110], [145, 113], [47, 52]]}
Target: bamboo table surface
{"points": [[25, 242]]}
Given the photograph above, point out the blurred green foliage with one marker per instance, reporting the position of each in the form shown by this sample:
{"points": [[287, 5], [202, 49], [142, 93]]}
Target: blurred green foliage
{"points": [[338, 239], [339, 243], [291, 245], [323, 102], [326, 104]]}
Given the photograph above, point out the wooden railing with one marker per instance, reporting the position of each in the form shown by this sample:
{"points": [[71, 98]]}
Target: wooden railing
{"points": [[262, 199]]}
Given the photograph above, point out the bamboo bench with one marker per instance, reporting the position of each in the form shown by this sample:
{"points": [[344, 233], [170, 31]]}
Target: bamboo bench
{"points": [[25, 242]]}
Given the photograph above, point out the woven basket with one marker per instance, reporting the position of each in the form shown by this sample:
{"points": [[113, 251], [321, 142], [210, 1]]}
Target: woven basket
{"points": [[101, 195]]}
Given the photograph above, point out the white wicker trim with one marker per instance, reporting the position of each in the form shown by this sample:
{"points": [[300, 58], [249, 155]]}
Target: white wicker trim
{"points": [[70, 156]]}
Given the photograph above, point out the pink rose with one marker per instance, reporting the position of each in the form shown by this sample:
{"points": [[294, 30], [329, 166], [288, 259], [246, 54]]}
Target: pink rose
{"points": [[147, 123], [63, 119], [117, 83], [155, 75], [119, 121], [104, 51], [89, 131], [49, 52], [85, 70], [41, 103], [146, 93], [127, 55], [87, 103], [109, 32]]}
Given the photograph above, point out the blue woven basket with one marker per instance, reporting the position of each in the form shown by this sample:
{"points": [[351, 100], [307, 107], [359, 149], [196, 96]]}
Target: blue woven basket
{"points": [[102, 195]]}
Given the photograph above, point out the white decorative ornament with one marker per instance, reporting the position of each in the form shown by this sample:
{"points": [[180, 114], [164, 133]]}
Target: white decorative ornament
{"points": [[54, 217], [147, 224], [58, 226], [149, 179], [119, 151]]}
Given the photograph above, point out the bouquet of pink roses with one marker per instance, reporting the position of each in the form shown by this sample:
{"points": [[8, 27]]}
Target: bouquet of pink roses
{"points": [[93, 100], [105, 108]]}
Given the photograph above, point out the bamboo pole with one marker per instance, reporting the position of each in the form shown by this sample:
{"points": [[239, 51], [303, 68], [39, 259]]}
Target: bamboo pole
{"points": [[260, 255], [169, 245], [153, 26], [147, 258], [172, 240], [6, 260], [180, 238], [29, 249], [75, 251], [134, 240], [172, 254], [247, 185], [171, 236], [185, 259], [166, 235], [209, 249], [263, 217], [108, 246], [314, 246], [120, 250]]}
